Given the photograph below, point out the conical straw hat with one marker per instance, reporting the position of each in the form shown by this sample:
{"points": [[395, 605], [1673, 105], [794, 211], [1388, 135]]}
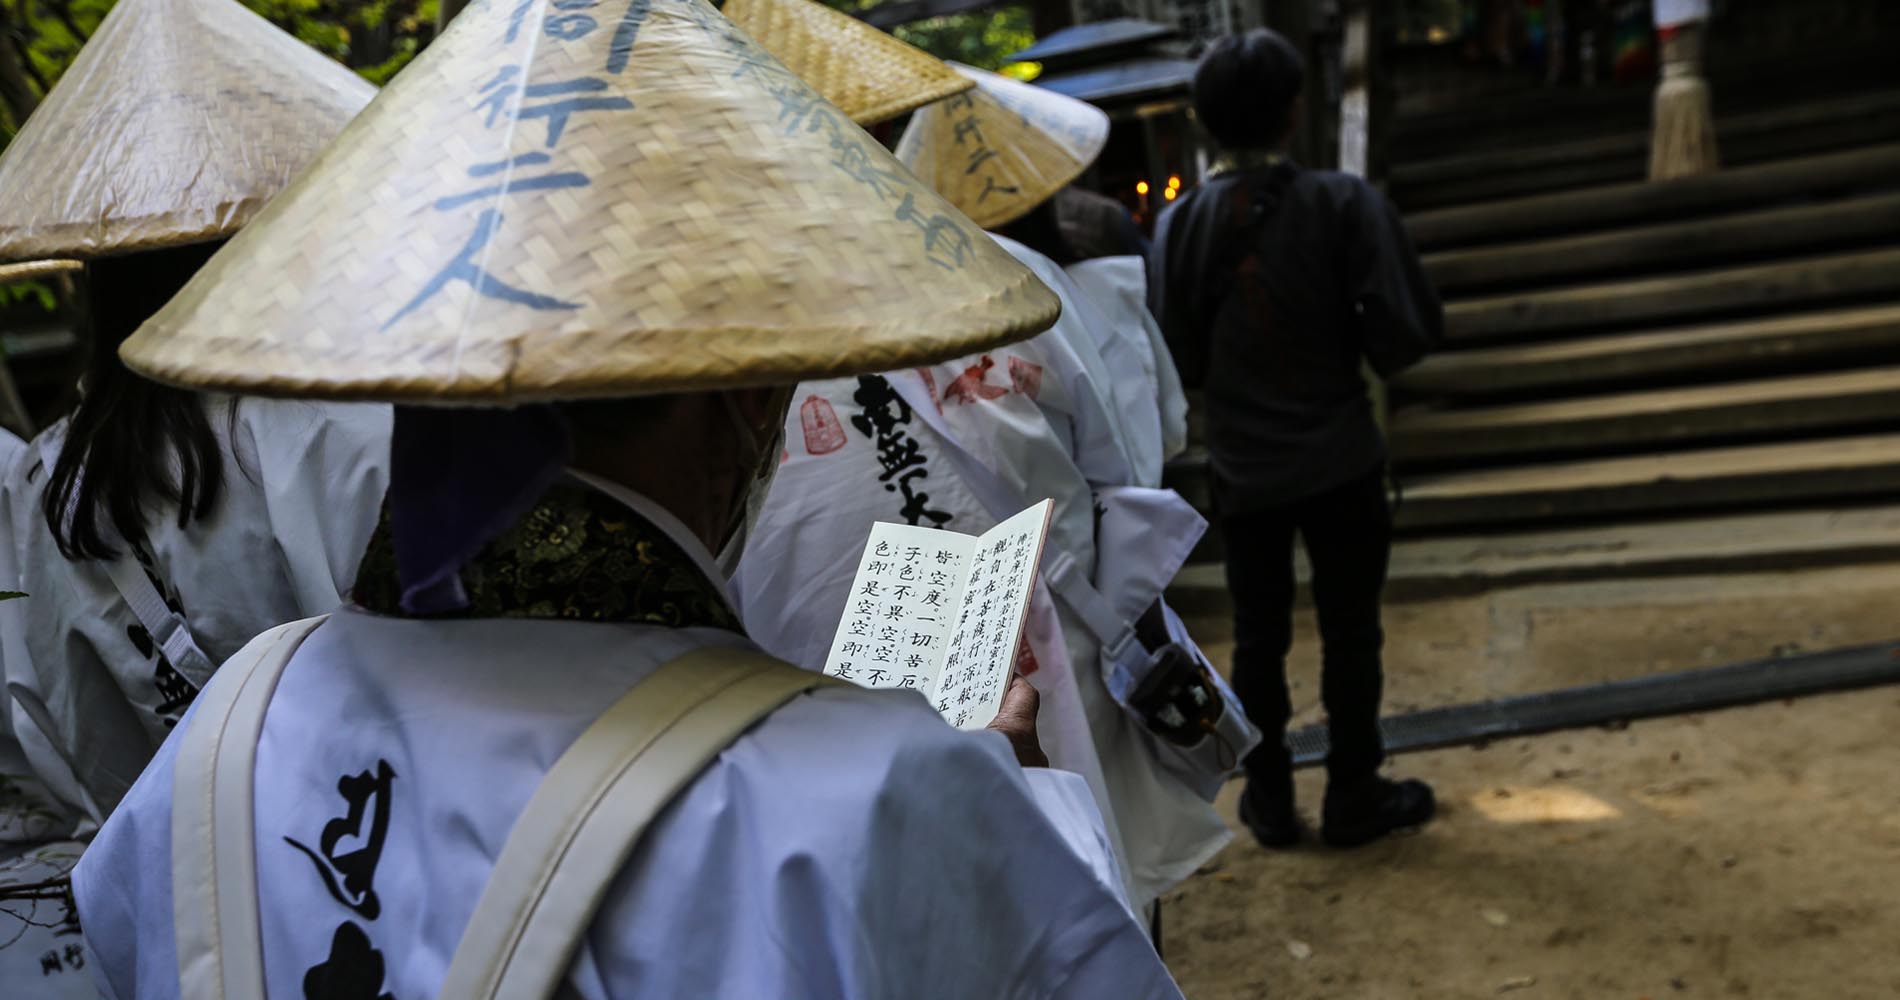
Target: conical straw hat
{"points": [[554, 204], [35, 270], [868, 74], [1003, 148], [175, 124]]}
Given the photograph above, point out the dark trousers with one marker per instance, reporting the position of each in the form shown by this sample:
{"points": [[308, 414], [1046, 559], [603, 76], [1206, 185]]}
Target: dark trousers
{"points": [[1348, 535]]}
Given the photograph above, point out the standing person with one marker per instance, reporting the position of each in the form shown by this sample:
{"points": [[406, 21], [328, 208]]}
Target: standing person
{"points": [[540, 755], [155, 529], [1275, 285], [1000, 153], [865, 448]]}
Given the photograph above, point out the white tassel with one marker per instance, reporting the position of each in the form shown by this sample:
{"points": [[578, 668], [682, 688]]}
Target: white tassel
{"points": [[1682, 138]]}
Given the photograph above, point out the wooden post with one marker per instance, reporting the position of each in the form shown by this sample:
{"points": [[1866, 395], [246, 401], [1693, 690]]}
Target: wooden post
{"points": [[1361, 106]]}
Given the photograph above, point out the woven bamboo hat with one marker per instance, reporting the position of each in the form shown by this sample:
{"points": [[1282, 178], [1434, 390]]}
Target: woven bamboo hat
{"points": [[1003, 148], [175, 124], [868, 74], [555, 203], [35, 270]]}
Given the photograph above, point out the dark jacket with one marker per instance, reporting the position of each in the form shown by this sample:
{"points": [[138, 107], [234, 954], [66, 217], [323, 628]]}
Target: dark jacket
{"points": [[1273, 284]]}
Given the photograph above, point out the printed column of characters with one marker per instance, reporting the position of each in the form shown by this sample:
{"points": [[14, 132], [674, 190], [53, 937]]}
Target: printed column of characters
{"points": [[979, 156], [884, 418], [907, 588], [1009, 560], [506, 96], [354, 968], [974, 646]]}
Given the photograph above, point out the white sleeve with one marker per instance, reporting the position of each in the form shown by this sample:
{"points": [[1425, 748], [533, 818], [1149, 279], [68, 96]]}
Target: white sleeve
{"points": [[1083, 408], [324, 468], [1066, 802]]}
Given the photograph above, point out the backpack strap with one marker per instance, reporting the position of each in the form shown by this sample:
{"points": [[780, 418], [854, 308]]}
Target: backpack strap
{"points": [[214, 863], [168, 629], [590, 811]]}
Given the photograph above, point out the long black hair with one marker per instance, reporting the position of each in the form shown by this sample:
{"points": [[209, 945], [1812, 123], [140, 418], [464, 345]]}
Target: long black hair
{"points": [[132, 445]]}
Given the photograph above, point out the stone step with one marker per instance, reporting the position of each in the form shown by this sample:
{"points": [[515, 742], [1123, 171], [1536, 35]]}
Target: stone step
{"points": [[1735, 346], [1673, 246], [1658, 417], [1622, 157], [1429, 568], [1638, 202], [1779, 285], [1808, 471]]}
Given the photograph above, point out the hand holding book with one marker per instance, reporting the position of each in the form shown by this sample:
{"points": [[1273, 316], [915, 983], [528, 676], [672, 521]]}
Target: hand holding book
{"points": [[941, 612]]}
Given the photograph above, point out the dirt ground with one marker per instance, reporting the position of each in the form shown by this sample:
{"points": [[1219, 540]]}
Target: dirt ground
{"points": [[1752, 852]]}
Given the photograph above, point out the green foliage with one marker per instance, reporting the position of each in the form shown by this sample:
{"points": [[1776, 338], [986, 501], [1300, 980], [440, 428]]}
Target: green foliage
{"points": [[17, 292], [10, 595], [39, 38], [981, 38]]}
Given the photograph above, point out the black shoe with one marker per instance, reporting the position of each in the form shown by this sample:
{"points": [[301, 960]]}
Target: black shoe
{"points": [[1271, 817], [1374, 808]]}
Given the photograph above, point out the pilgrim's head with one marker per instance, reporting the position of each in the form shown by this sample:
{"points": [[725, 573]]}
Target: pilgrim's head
{"points": [[1246, 90], [706, 456]]}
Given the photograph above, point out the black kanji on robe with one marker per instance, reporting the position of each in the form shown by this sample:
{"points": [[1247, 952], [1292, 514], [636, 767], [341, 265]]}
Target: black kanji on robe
{"points": [[354, 970], [351, 877]]}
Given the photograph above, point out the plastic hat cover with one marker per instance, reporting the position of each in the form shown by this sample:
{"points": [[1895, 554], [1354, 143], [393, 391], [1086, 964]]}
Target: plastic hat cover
{"points": [[1002, 149], [564, 199], [176, 123], [867, 73]]}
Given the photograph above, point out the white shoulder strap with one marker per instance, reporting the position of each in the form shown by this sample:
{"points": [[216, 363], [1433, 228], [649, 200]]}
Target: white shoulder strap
{"points": [[214, 865], [166, 627], [592, 808]]}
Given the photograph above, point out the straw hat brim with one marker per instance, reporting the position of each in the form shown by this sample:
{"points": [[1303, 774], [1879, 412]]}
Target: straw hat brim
{"points": [[35, 270], [699, 218], [591, 366], [175, 124], [870, 75], [1004, 148]]}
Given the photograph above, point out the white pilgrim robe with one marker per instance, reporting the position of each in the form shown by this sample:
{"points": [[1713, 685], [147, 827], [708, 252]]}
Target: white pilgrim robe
{"points": [[1145, 384], [304, 483], [1036, 414], [849, 846], [41, 952]]}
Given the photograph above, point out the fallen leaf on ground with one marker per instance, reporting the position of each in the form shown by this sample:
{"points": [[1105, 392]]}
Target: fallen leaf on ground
{"points": [[1299, 950], [1496, 918], [1517, 983]]}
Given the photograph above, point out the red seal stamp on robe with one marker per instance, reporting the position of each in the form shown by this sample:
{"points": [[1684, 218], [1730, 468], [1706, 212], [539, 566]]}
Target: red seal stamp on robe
{"points": [[1026, 658], [824, 434], [970, 386], [930, 386], [1025, 376]]}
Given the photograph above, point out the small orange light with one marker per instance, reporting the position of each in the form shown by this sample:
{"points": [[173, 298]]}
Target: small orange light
{"points": [[1141, 187], [1169, 194], [1174, 181]]}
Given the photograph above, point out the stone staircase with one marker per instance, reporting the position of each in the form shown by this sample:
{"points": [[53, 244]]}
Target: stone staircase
{"points": [[1658, 349]]}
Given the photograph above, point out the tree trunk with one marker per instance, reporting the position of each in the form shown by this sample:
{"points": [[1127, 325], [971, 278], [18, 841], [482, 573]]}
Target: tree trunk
{"points": [[16, 92], [446, 13]]}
